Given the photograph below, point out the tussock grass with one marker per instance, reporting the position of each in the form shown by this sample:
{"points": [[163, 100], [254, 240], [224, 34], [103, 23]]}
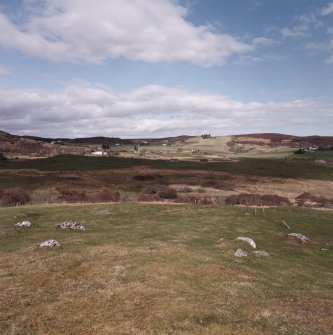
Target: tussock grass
{"points": [[144, 269]]}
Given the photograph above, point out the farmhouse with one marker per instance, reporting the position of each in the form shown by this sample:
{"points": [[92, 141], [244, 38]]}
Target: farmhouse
{"points": [[98, 153]]}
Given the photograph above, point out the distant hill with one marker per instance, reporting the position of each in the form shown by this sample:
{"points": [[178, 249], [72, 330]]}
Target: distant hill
{"points": [[296, 141], [98, 140], [13, 145]]}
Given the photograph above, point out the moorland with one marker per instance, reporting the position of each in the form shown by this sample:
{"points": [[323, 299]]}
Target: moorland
{"points": [[161, 217]]}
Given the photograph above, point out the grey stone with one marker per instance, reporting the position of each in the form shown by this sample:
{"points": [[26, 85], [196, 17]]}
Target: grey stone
{"points": [[49, 244], [261, 253], [240, 253], [71, 225], [247, 240], [23, 224], [297, 237]]}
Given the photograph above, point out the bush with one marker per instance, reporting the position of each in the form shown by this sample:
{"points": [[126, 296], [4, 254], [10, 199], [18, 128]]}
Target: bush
{"points": [[309, 200], [45, 196], [14, 197], [250, 199], [164, 180], [148, 197], [168, 193], [73, 196], [209, 183], [147, 177], [107, 196], [152, 189]]}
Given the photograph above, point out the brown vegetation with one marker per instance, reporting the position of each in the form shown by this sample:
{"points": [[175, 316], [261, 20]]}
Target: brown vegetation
{"points": [[250, 199], [16, 145], [309, 200], [14, 197]]}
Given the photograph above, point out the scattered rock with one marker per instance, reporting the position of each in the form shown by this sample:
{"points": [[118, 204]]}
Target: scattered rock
{"points": [[71, 225], [298, 238], [247, 240], [49, 244], [23, 224], [240, 253], [261, 253]]}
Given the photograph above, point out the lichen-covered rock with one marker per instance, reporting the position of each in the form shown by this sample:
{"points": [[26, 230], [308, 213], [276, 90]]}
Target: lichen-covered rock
{"points": [[247, 240], [298, 238], [49, 244], [23, 224], [261, 253], [71, 225], [240, 253]]}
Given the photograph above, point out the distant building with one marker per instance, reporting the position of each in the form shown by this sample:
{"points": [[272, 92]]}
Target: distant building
{"points": [[98, 153]]}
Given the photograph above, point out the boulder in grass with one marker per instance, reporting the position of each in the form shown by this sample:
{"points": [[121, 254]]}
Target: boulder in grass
{"points": [[23, 224], [261, 253], [71, 225], [240, 253], [247, 240], [49, 244], [298, 238]]}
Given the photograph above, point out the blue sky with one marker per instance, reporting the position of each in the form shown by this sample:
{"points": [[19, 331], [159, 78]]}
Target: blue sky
{"points": [[150, 68]]}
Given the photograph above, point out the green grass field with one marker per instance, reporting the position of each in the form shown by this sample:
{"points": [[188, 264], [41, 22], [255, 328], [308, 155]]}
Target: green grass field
{"points": [[156, 269], [284, 168]]}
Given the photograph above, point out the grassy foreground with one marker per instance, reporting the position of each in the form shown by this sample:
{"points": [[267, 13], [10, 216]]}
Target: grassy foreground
{"points": [[156, 269]]}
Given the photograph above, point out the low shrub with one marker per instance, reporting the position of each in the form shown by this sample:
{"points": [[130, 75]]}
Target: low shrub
{"points": [[148, 197], [153, 189], [147, 177], [14, 197], [168, 193], [250, 199], [45, 196], [73, 196], [310, 200], [164, 180], [209, 183], [107, 196]]}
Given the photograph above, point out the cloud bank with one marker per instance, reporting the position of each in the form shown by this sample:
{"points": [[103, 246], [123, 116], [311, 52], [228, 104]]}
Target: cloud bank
{"points": [[92, 31], [327, 10], [82, 110]]}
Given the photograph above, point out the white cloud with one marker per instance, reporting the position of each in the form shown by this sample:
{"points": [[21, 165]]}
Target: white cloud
{"points": [[295, 32], [85, 110], [263, 41], [327, 10], [317, 46], [306, 23], [4, 71], [89, 31]]}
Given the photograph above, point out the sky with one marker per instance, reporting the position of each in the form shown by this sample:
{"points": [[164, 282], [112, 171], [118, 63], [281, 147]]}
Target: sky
{"points": [[156, 68]]}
